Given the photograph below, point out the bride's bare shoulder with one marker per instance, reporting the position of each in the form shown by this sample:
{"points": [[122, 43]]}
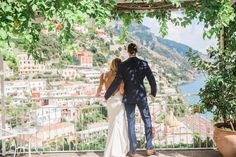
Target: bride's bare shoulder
{"points": [[105, 75]]}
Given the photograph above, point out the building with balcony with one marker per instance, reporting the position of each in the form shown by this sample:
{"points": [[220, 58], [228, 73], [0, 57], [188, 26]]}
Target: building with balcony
{"points": [[90, 75], [17, 89], [69, 73], [46, 135], [37, 84], [47, 115], [28, 65], [83, 58]]}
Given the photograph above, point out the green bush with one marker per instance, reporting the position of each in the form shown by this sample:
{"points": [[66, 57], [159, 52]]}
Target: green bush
{"points": [[219, 94]]}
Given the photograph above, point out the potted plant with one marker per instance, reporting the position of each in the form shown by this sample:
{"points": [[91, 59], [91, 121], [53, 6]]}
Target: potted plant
{"points": [[219, 96]]}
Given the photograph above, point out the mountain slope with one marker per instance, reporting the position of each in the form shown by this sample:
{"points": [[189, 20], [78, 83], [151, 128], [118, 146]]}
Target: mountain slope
{"points": [[168, 55], [178, 47]]}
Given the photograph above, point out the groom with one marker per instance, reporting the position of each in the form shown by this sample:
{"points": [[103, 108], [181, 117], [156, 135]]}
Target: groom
{"points": [[132, 72]]}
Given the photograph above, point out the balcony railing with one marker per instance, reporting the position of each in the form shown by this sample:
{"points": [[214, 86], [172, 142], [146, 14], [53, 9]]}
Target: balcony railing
{"points": [[72, 124]]}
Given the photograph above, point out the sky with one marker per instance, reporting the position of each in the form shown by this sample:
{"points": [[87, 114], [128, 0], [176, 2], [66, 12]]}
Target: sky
{"points": [[191, 35]]}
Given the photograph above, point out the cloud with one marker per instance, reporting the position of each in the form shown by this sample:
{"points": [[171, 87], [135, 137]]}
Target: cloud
{"points": [[191, 35]]}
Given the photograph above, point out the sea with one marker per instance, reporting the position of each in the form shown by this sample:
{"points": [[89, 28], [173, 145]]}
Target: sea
{"points": [[194, 87]]}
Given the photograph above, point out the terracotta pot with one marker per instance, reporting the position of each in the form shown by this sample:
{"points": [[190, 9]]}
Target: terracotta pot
{"points": [[225, 141]]}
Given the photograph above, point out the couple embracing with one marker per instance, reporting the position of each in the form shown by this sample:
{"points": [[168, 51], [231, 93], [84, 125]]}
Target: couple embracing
{"points": [[124, 91]]}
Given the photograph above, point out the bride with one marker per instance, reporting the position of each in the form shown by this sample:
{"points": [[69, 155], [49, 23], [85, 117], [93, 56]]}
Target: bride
{"points": [[117, 144]]}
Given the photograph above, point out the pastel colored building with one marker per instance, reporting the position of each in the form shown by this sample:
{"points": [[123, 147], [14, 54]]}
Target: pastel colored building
{"points": [[28, 65], [83, 58]]}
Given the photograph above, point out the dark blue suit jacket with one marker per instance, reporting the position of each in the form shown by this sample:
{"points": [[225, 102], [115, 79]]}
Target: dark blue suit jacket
{"points": [[132, 72]]}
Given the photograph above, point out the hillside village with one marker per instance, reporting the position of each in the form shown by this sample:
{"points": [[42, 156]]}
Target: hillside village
{"points": [[58, 96], [83, 71]]}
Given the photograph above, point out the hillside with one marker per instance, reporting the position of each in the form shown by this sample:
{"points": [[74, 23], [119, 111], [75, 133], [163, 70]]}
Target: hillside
{"points": [[170, 56], [167, 56], [178, 47]]}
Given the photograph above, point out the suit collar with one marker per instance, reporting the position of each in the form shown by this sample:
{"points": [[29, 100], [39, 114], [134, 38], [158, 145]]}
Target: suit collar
{"points": [[133, 57]]}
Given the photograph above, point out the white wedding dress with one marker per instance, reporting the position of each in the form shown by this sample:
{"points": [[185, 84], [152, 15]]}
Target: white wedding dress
{"points": [[117, 144]]}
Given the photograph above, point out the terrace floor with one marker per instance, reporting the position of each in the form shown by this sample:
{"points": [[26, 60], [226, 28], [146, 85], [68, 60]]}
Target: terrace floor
{"points": [[168, 153]]}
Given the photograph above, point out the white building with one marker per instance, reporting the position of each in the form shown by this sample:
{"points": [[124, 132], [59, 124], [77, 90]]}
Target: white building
{"points": [[21, 87], [56, 130], [50, 133], [91, 75], [16, 88], [169, 90], [116, 47], [37, 85], [88, 135], [69, 73], [80, 28], [171, 136], [28, 65], [47, 115]]}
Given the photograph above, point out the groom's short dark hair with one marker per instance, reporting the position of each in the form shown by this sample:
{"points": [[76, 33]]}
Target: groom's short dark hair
{"points": [[132, 48]]}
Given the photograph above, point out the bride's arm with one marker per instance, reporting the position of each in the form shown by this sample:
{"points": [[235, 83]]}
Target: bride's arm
{"points": [[122, 88], [99, 90]]}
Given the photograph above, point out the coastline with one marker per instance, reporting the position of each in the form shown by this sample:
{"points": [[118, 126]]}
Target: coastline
{"points": [[192, 87], [194, 78]]}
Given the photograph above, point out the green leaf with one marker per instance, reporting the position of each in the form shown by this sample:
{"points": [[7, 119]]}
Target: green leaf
{"points": [[34, 7], [10, 18], [3, 5], [3, 34]]}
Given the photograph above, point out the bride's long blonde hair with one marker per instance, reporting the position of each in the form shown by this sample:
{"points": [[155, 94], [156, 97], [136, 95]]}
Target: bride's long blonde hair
{"points": [[115, 65]]}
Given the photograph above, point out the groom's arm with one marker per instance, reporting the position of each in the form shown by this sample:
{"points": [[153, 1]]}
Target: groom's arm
{"points": [[152, 81], [115, 84]]}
